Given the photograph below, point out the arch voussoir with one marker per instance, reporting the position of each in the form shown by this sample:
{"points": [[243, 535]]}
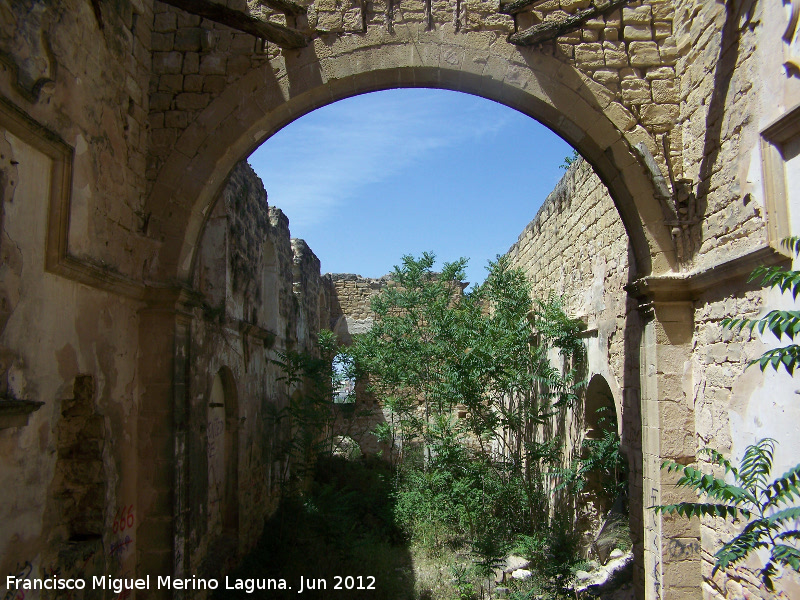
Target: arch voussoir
{"points": [[264, 100]]}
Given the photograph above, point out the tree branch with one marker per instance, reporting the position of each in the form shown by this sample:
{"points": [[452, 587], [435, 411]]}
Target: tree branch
{"points": [[287, 7], [277, 34], [544, 32], [517, 6]]}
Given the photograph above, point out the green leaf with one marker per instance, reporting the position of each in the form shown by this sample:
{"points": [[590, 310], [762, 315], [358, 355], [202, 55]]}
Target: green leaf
{"points": [[792, 244], [782, 517], [786, 555], [697, 509]]}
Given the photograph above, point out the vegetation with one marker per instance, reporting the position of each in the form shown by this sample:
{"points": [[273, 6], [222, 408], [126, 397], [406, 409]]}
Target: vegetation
{"points": [[471, 383], [780, 322], [341, 525], [568, 160], [766, 504], [311, 380], [600, 460], [752, 496]]}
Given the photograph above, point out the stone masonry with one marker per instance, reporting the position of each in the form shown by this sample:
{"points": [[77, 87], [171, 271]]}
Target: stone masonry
{"points": [[576, 249]]}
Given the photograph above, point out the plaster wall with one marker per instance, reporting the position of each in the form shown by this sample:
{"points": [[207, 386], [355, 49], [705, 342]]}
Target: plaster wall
{"points": [[68, 352]]}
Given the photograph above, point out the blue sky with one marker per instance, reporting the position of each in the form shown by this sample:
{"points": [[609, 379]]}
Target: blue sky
{"points": [[371, 178]]}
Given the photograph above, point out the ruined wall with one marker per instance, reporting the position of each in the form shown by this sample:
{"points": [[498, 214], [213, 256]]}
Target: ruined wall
{"points": [[84, 75], [349, 313], [73, 138], [576, 250], [119, 122], [255, 283], [737, 83], [68, 390], [349, 301]]}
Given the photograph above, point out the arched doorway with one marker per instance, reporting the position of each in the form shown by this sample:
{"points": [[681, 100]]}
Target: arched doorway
{"points": [[547, 92], [223, 463]]}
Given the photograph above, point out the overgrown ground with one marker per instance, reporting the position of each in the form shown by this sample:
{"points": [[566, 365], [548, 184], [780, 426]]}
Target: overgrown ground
{"points": [[348, 524]]}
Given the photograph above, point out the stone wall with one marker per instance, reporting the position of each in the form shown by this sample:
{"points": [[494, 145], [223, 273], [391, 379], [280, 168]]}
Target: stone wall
{"points": [[349, 313], [119, 125], [84, 75], [258, 296], [68, 390], [349, 297], [576, 249]]}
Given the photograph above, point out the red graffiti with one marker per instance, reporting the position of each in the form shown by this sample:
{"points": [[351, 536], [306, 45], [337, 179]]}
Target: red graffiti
{"points": [[124, 519]]}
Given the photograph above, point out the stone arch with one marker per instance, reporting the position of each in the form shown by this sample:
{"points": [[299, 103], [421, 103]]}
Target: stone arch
{"points": [[223, 456], [602, 520], [598, 399], [346, 447], [259, 104]]}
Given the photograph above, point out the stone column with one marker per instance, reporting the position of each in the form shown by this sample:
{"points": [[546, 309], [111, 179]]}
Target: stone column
{"points": [[671, 544], [161, 440]]}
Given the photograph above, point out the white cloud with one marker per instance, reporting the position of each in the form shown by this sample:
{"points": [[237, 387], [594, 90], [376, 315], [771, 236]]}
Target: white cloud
{"points": [[314, 165]]}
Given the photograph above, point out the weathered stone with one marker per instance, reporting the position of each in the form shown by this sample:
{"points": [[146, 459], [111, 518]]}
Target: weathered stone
{"points": [[167, 62], [639, 15], [644, 54], [637, 32], [162, 42], [212, 65], [191, 101], [193, 83], [151, 128], [635, 91], [662, 29], [659, 116], [165, 22], [664, 91], [188, 40], [607, 77], [590, 35], [614, 54], [191, 62], [589, 55], [170, 83]]}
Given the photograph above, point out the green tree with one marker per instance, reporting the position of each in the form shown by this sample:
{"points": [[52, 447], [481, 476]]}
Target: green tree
{"points": [[486, 355], [765, 504], [310, 381]]}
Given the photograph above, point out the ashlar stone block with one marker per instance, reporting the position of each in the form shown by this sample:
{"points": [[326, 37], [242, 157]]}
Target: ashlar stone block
{"points": [[589, 55], [614, 54], [637, 32], [664, 91], [644, 54], [635, 91], [639, 15]]}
